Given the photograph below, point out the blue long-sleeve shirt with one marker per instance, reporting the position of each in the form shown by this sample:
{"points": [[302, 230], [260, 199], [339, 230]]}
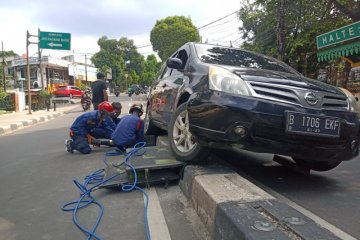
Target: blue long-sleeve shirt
{"points": [[129, 131], [89, 121]]}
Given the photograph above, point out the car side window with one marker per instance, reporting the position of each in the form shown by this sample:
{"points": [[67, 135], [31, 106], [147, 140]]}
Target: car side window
{"points": [[182, 54]]}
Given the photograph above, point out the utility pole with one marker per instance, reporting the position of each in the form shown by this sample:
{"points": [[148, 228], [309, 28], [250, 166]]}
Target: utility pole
{"points": [[3, 66], [86, 71], [28, 35], [280, 38], [40, 65], [28, 69]]}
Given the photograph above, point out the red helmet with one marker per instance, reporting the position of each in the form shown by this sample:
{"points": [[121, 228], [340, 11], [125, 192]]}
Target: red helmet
{"points": [[106, 106]]}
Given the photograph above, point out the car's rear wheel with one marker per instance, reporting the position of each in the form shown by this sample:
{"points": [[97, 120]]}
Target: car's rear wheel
{"points": [[319, 166], [149, 127], [182, 143]]}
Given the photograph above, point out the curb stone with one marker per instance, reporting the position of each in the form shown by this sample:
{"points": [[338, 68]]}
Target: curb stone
{"points": [[22, 124], [231, 207]]}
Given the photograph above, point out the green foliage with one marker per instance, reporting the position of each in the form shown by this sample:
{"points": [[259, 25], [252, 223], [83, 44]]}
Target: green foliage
{"points": [[122, 57], [303, 21], [5, 102], [171, 33], [44, 94]]}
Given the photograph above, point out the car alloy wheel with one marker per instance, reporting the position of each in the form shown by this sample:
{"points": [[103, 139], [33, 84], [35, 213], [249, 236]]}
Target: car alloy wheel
{"points": [[182, 143], [182, 136]]}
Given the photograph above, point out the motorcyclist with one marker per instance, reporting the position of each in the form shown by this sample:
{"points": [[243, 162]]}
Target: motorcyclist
{"points": [[117, 90], [86, 99], [81, 129], [130, 129]]}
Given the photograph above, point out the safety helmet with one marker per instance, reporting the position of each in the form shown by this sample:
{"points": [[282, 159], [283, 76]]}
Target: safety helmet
{"points": [[106, 106], [138, 107]]}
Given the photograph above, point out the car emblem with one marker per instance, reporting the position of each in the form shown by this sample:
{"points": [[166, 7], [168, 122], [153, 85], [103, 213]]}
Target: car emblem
{"points": [[311, 98]]}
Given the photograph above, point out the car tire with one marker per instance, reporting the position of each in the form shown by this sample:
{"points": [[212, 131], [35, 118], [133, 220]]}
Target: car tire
{"points": [[149, 127], [71, 95], [320, 166], [181, 141]]}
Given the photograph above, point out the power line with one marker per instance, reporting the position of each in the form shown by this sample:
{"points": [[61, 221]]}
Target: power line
{"points": [[217, 25], [217, 20]]}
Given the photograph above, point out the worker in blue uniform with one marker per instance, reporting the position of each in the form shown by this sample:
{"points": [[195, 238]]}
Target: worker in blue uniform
{"points": [[130, 130], [104, 131], [81, 129]]}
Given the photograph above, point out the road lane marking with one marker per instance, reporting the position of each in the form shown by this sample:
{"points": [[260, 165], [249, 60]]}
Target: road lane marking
{"points": [[156, 219]]}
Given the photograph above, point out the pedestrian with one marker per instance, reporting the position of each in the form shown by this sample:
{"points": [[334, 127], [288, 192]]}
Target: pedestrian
{"points": [[81, 129], [98, 89], [130, 130]]}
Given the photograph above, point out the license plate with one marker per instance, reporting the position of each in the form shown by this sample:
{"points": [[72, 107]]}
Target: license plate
{"points": [[312, 124]]}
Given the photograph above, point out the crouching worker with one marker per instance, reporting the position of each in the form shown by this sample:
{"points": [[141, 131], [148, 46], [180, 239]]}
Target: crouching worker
{"points": [[80, 130], [104, 131], [130, 130]]}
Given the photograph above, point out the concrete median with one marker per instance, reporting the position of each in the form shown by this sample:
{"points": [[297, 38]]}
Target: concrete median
{"points": [[231, 207]]}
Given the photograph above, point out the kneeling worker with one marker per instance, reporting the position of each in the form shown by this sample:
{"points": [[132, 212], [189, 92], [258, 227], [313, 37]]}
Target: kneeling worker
{"points": [[81, 129], [130, 130]]}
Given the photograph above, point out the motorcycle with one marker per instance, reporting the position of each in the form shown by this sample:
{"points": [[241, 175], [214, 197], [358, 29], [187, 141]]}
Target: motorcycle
{"points": [[117, 92], [85, 102]]}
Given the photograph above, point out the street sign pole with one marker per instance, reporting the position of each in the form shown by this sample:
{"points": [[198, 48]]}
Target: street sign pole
{"points": [[40, 65], [28, 70]]}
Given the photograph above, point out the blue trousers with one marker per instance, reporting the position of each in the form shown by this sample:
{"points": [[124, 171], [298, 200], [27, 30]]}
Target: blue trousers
{"points": [[80, 143]]}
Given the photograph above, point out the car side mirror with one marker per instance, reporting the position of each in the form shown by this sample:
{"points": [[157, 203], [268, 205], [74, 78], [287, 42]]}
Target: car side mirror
{"points": [[174, 63]]}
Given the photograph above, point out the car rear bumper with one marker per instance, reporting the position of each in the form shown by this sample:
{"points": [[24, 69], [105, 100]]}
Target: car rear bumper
{"points": [[218, 120]]}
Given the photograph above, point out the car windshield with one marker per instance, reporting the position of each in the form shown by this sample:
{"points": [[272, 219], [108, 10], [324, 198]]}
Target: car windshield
{"points": [[239, 58]]}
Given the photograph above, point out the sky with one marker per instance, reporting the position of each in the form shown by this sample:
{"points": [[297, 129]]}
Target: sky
{"points": [[88, 20]]}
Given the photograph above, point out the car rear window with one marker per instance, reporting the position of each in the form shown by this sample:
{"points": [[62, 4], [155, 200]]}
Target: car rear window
{"points": [[239, 58]]}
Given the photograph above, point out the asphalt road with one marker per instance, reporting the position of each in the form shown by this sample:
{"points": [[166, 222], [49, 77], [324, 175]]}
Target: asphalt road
{"points": [[36, 175], [333, 195]]}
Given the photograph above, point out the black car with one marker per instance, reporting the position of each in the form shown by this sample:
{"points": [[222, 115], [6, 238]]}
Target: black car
{"points": [[208, 96]]}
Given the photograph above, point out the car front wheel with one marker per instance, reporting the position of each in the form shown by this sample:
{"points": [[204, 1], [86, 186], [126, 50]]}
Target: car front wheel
{"points": [[182, 143]]}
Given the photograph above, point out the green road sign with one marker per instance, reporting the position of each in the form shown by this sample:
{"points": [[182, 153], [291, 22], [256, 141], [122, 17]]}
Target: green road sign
{"points": [[339, 35], [55, 40]]}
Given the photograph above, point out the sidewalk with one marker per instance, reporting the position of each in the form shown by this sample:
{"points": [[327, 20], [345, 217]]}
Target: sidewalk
{"points": [[11, 122]]}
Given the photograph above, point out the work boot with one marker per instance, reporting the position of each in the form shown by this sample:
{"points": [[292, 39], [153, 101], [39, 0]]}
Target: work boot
{"points": [[68, 143]]}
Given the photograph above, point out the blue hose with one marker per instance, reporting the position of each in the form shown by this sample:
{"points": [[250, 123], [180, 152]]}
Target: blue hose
{"points": [[96, 179]]}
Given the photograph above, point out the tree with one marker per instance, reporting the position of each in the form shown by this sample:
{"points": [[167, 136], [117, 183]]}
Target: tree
{"points": [[121, 56], [302, 22], [152, 66], [171, 33], [349, 8]]}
